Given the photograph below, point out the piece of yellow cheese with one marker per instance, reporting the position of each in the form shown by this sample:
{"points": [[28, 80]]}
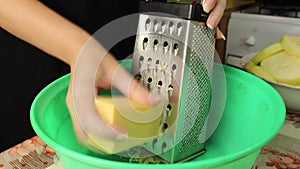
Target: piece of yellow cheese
{"points": [[141, 122]]}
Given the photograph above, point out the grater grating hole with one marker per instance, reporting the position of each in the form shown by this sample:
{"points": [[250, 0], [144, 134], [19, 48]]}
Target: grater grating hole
{"points": [[147, 24], [171, 24], [145, 40], [174, 67], [142, 58], [179, 25], [175, 46], [169, 107], [171, 27], [155, 22], [160, 83], [166, 126], [138, 76], [163, 26], [155, 25], [148, 21], [175, 49], [163, 147], [145, 43], [165, 44], [179, 28]]}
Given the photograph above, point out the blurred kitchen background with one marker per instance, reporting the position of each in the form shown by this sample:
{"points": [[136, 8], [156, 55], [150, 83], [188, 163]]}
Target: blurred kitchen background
{"points": [[26, 70]]}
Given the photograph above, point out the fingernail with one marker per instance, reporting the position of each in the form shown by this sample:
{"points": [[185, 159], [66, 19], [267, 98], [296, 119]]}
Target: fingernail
{"points": [[223, 37], [209, 26], [205, 8]]}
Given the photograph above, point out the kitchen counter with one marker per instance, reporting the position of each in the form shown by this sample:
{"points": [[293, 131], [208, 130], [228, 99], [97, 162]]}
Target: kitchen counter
{"points": [[30, 154], [282, 151]]}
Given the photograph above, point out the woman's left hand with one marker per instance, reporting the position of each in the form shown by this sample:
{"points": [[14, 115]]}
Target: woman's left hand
{"points": [[216, 9]]}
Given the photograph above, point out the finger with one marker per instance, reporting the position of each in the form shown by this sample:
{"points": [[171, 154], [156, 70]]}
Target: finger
{"points": [[139, 92], [220, 34], [208, 5], [216, 14]]}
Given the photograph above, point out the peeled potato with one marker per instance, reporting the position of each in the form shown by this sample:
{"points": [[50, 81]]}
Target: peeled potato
{"points": [[284, 67], [257, 70], [267, 52], [279, 62], [291, 44]]}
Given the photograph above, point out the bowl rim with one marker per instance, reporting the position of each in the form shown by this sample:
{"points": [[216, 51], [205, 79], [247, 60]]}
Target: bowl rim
{"points": [[283, 84]]}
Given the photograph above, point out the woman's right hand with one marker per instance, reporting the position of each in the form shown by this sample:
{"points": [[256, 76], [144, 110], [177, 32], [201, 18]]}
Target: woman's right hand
{"points": [[92, 70]]}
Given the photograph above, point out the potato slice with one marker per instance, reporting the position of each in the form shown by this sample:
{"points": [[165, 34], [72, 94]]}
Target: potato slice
{"points": [[258, 71], [291, 44], [267, 52], [284, 67]]}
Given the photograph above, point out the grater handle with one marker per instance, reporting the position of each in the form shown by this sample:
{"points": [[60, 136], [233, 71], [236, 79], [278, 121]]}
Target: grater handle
{"points": [[181, 9]]}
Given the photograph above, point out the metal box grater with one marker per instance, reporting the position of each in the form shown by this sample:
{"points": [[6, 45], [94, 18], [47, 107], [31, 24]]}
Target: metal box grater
{"points": [[174, 56]]}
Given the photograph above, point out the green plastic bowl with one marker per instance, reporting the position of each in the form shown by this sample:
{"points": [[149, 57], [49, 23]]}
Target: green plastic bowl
{"points": [[253, 115]]}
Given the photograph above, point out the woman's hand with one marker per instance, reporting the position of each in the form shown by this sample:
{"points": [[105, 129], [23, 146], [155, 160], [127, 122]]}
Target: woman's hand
{"points": [[95, 69], [216, 9], [92, 70]]}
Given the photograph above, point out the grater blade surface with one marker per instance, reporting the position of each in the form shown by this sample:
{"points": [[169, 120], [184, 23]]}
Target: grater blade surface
{"points": [[174, 57]]}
